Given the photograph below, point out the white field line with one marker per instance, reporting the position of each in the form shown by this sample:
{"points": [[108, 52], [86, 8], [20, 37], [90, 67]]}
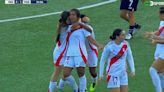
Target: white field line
{"points": [[55, 13]]}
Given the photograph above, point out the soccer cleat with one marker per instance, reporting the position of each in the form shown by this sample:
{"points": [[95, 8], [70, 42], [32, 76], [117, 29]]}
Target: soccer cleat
{"points": [[92, 87], [128, 37]]}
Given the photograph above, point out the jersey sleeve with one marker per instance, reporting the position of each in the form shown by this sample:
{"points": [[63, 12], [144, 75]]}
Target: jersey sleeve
{"points": [[86, 33], [130, 59], [104, 57]]}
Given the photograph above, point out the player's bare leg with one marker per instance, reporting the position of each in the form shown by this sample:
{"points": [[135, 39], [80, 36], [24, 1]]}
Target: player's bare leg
{"points": [[124, 15], [157, 67], [131, 18], [131, 24], [54, 78], [82, 79], [93, 73], [124, 88], [114, 90], [67, 77], [56, 73]]}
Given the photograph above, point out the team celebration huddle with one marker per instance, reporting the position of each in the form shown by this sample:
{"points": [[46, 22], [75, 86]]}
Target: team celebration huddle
{"points": [[76, 48]]}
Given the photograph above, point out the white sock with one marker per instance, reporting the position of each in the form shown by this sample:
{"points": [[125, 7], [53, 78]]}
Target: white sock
{"points": [[94, 80], [52, 86], [82, 83], [72, 82], [161, 75], [61, 84], [155, 78]]}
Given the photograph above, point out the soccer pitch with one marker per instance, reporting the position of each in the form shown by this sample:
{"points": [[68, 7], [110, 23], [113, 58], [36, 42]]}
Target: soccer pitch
{"points": [[26, 46]]}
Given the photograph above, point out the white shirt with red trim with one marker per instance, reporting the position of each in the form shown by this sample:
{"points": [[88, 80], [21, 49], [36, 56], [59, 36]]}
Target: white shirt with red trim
{"points": [[77, 42], [62, 40], [89, 45], [160, 47], [112, 49]]}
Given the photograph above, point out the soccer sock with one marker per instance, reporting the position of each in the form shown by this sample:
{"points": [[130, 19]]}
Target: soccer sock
{"points": [[131, 29], [61, 84], [72, 82], [52, 86], [82, 83], [161, 75], [155, 78]]}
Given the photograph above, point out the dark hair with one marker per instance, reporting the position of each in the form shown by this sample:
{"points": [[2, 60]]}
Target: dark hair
{"points": [[63, 19], [117, 32], [76, 11], [82, 16], [161, 11], [64, 16]]}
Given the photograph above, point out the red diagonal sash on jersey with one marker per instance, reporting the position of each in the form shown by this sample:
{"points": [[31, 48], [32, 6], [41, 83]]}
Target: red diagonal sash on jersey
{"points": [[161, 30], [115, 58], [95, 50], [82, 54], [120, 54], [62, 53]]}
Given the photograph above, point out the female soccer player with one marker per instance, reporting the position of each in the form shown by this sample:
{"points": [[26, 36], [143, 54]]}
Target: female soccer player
{"points": [[116, 52], [92, 54], [157, 68], [59, 51], [76, 56], [127, 10]]}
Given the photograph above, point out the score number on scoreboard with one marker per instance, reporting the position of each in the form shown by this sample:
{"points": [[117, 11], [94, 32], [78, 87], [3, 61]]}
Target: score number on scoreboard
{"points": [[26, 1]]}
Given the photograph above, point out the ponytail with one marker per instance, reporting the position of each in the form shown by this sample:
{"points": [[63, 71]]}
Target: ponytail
{"points": [[116, 33]]}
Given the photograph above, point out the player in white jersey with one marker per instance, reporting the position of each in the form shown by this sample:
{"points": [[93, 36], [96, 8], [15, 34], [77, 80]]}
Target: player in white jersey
{"points": [[76, 55], [59, 51], [157, 68], [115, 53], [92, 54]]}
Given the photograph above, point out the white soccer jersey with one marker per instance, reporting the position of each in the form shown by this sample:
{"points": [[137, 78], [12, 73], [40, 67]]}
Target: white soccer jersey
{"points": [[62, 41], [76, 46], [116, 68], [90, 47], [160, 47]]}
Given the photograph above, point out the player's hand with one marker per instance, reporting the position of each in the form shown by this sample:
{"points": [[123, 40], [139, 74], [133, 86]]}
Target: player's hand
{"points": [[132, 74], [100, 46], [148, 34], [153, 42]]}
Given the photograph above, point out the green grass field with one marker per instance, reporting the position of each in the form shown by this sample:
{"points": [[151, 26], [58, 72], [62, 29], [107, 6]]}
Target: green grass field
{"points": [[26, 46]]}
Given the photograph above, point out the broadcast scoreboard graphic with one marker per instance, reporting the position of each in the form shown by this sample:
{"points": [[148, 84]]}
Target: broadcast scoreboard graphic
{"points": [[26, 1]]}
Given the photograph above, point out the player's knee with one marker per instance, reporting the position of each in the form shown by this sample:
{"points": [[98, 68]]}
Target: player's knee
{"points": [[65, 75], [93, 73], [123, 14], [131, 14], [80, 73]]}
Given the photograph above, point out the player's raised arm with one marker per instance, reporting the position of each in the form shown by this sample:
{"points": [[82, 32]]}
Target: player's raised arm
{"points": [[93, 41]]}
